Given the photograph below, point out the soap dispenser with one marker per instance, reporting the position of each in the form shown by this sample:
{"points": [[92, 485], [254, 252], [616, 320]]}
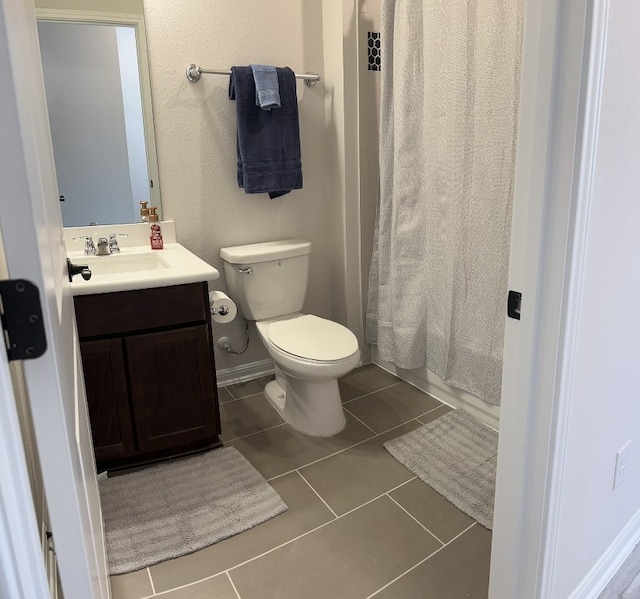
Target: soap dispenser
{"points": [[144, 212], [156, 232]]}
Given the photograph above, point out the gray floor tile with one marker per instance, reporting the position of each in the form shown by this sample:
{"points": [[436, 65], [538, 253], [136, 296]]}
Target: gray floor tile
{"points": [[348, 558], [460, 569], [393, 406], [282, 449], [430, 508], [249, 387], [355, 476], [218, 587], [246, 416], [131, 586], [434, 414], [224, 395], [364, 380], [305, 513]]}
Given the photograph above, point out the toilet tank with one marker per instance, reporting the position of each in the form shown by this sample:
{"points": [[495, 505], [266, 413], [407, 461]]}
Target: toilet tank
{"points": [[267, 279]]}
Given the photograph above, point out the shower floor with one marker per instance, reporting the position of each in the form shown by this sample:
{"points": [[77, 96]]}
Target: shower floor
{"points": [[359, 523]]}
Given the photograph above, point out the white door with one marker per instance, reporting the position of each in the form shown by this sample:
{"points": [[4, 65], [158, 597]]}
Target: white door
{"points": [[32, 230]]}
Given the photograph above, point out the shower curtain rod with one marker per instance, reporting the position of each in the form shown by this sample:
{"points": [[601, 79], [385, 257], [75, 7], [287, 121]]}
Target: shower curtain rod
{"points": [[194, 72]]}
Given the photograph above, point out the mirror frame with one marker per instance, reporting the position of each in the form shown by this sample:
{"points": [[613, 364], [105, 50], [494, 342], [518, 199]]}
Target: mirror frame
{"points": [[95, 17]]}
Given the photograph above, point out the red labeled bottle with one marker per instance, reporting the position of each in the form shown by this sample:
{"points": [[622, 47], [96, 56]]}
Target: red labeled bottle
{"points": [[156, 232]]}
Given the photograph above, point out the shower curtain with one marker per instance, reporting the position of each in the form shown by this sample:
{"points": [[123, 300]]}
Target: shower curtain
{"points": [[448, 124]]}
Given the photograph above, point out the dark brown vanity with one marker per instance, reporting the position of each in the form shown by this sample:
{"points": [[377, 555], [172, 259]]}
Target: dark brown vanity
{"points": [[149, 373]]}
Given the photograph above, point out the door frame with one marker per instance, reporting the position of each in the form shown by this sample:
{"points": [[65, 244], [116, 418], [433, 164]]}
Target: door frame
{"points": [[562, 78]]}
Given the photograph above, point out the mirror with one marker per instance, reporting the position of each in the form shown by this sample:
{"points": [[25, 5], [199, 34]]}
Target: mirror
{"points": [[99, 100]]}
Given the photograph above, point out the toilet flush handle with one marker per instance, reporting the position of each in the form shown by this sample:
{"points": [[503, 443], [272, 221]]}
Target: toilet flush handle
{"points": [[246, 271]]}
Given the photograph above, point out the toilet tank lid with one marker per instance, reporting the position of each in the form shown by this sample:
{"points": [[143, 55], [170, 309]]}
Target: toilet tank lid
{"points": [[262, 252]]}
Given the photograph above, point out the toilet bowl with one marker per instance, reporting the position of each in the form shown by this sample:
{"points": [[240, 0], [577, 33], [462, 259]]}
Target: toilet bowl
{"points": [[268, 281], [310, 355]]}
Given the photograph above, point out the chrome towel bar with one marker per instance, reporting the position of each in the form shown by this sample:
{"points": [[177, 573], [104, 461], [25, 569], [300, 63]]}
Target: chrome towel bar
{"points": [[194, 72]]}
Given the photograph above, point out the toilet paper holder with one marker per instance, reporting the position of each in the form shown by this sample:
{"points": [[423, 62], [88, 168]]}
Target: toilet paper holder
{"points": [[221, 307], [222, 310]]}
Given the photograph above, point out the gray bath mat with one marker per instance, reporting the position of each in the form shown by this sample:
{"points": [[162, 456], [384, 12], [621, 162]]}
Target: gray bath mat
{"points": [[455, 455], [170, 510]]}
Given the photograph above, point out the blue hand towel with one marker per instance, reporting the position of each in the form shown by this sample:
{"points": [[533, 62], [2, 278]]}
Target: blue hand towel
{"points": [[268, 140], [267, 88]]}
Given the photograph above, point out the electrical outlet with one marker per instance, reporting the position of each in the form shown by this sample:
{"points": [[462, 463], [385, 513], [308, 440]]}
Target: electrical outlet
{"points": [[622, 464]]}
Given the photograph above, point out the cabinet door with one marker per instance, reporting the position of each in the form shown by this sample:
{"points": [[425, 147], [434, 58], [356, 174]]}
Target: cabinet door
{"points": [[106, 384], [173, 393]]}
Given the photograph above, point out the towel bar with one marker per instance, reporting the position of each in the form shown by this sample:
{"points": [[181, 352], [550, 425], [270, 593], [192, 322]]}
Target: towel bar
{"points": [[194, 73]]}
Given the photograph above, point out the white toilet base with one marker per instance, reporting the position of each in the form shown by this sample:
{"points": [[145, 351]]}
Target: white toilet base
{"points": [[312, 408]]}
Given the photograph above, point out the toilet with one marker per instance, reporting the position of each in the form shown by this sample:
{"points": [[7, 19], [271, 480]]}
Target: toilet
{"points": [[268, 281]]}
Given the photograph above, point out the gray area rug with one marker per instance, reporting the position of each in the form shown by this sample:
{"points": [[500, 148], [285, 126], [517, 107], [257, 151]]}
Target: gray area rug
{"points": [[456, 455], [173, 509]]}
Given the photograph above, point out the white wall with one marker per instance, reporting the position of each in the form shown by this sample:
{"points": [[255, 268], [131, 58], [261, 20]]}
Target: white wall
{"points": [[605, 400], [196, 136]]}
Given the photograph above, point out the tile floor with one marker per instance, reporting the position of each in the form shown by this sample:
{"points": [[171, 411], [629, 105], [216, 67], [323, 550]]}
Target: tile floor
{"points": [[359, 524]]}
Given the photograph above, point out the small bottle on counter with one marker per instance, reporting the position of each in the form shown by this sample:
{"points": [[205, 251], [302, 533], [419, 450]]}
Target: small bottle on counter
{"points": [[156, 232], [144, 212]]}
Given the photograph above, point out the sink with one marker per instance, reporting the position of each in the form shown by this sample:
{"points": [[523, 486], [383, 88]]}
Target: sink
{"points": [[121, 263], [139, 267]]}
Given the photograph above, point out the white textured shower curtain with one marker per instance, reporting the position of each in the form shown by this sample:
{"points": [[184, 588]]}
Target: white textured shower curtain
{"points": [[450, 94]]}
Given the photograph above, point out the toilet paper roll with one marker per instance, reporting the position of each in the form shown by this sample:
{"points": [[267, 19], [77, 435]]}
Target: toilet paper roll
{"points": [[223, 309]]}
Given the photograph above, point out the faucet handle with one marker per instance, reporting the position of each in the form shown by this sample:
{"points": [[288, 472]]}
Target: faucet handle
{"points": [[114, 248], [89, 246]]}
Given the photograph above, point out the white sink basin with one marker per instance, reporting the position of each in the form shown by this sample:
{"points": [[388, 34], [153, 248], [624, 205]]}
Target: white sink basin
{"points": [[140, 268], [121, 263]]}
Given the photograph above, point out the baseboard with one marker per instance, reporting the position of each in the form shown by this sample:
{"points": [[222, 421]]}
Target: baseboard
{"points": [[245, 372], [430, 383], [610, 561]]}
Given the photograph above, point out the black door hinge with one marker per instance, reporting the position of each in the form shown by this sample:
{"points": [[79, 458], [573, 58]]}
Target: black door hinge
{"points": [[514, 304], [22, 322]]}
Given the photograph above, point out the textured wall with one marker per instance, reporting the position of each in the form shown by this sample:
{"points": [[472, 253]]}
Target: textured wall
{"points": [[195, 133]]}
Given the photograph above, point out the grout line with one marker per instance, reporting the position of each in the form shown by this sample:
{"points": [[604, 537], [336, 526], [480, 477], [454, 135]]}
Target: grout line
{"points": [[415, 519], [427, 413], [378, 497], [234, 398], [153, 586], [316, 492], [371, 392], [233, 585], [419, 563], [254, 433], [339, 451], [304, 534], [359, 420]]}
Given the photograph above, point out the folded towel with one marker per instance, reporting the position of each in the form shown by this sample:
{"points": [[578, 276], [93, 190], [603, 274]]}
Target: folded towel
{"points": [[267, 89], [268, 140]]}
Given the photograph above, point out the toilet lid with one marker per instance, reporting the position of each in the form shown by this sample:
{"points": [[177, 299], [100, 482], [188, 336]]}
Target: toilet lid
{"points": [[313, 338]]}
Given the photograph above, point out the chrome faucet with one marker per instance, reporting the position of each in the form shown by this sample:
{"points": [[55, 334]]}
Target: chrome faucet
{"points": [[114, 248], [89, 246], [103, 246]]}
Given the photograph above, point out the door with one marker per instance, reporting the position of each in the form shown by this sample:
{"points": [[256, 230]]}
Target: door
{"points": [[108, 399], [32, 229], [173, 392]]}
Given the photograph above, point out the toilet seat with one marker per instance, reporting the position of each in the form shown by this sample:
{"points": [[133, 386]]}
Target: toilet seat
{"points": [[313, 338]]}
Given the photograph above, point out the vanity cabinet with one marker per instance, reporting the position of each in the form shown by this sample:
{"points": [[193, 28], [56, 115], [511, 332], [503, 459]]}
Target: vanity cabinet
{"points": [[149, 373]]}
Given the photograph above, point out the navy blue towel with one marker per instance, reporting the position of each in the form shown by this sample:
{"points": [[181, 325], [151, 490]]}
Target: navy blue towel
{"points": [[268, 140]]}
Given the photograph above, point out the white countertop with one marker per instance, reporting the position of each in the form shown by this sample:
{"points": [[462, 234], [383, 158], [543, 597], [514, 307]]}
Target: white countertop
{"points": [[178, 266]]}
